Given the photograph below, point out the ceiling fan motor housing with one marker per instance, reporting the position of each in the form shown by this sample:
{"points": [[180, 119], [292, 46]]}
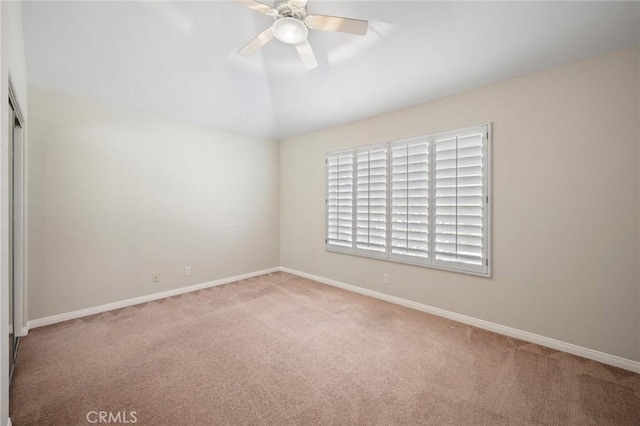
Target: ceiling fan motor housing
{"points": [[286, 10]]}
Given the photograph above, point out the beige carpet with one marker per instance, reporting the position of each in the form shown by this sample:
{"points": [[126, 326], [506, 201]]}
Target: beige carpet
{"points": [[279, 349]]}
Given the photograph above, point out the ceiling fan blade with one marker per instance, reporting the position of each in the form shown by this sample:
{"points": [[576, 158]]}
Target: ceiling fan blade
{"points": [[306, 54], [335, 23], [298, 4], [255, 5], [255, 44]]}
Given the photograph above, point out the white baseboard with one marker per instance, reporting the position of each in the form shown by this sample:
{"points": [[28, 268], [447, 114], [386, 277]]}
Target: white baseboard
{"points": [[25, 331], [41, 322], [602, 357], [9, 422]]}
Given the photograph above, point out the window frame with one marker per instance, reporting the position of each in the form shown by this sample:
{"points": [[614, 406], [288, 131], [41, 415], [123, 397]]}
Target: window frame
{"points": [[431, 261]]}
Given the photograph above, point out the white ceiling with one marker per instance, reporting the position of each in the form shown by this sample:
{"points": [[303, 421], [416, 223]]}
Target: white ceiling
{"points": [[178, 58]]}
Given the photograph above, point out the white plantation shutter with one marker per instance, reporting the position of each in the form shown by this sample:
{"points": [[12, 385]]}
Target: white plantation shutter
{"points": [[371, 200], [423, 201], [410, 200], [340, 200], [460, 200]]}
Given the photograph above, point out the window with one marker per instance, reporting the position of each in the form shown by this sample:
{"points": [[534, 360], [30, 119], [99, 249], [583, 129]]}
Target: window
{"points": [[423, 201]]}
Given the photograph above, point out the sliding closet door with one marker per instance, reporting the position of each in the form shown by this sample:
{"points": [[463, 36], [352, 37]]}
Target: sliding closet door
{"points": [[15, 233]]}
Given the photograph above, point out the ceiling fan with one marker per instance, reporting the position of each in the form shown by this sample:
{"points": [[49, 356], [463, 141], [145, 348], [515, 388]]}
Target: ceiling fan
{"points": [[292, 25]]}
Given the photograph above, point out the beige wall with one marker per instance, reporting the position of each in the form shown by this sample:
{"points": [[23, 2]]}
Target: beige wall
{"points": [[116, 195], [565, 204]]}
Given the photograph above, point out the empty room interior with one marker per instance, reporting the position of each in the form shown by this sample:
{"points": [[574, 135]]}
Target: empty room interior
{"points": [[296, 212]]}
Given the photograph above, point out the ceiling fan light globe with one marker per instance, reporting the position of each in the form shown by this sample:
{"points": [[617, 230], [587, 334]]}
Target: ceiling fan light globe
{"points": [[290, 30]]}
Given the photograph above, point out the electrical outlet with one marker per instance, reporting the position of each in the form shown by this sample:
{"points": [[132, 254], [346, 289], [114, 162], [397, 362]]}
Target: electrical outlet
{"points": [[386, 279], [155, 278], [187, 270]]}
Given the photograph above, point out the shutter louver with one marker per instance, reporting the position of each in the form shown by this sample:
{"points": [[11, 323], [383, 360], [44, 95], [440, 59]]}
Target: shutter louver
{"points": [[410, 201], [340, 200], [459, 200], [371, 200]]}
